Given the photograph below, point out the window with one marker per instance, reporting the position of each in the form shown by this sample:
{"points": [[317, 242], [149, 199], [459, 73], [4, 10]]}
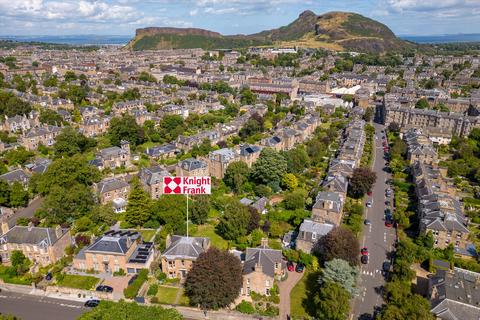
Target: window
{"points": [[267, 283], [314, 236], [276, 265], [248, 282]]}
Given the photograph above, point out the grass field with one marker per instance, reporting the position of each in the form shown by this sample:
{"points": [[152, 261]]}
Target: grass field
{"points": [[78, 282], [167, 295], [147, 234], [297, 296], [208, 230]]}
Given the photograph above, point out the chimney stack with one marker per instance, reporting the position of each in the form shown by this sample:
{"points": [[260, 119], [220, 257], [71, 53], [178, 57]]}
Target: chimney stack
{"points": [[58, 231], [168, 241], [30, 225], [5, 226], [264, 243]]}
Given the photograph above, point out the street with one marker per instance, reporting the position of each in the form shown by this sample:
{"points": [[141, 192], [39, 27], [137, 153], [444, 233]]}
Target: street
{"points": [[377, 238], [30, 307]]}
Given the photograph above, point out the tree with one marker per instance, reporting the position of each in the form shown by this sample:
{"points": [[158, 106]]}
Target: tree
{"points": [[200, 209], [125, 128], [422, 104], [18, 195], [339, 243], [4, 193], [289, 181], [147, 77], [138, 207], [399, 148], [70, 76], [394, 127], [170, 211], [297, 159], [70, 142], [236, 175], [235, 220], [270, 167], [341, 272], [332, 302], [247, 96], [215, 279], [368, 115], [361, 182], [294, 200], [109, 310], [48, 116], [19, 262]]}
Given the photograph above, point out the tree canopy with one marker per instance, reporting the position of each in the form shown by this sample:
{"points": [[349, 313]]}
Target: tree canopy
{"points": [[125, 128], [361, 182], [269, 168], [215, 279], [338, 243], [109, 310]]}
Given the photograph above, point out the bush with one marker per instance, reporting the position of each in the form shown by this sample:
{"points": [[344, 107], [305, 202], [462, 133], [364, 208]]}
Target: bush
{"points": [[161, 276], [154, 300], [245, 307], [274, 299], [131, 291], [119, 273], [153, 290]]}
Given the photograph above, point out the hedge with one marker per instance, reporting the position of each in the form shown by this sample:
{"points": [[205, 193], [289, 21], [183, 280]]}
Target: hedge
{"points": [[131, 291]]}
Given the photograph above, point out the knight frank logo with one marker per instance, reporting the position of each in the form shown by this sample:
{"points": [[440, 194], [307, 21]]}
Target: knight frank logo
{"points": [[187, 185]]}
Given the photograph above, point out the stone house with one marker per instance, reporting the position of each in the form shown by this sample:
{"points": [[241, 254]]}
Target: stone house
{"points": [[39, 136], [192, 167], [328, 208], [309, 233], [114, 251], [180, 253], [151, 180], [115, 191], [43, 246], [218, 161], [113, 157]]}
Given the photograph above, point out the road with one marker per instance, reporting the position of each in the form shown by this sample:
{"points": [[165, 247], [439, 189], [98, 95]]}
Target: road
{"points": [[377, 238], [30, 307]]}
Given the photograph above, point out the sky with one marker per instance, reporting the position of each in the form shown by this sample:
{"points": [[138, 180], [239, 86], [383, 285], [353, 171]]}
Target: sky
{"points": [[122, 17]]}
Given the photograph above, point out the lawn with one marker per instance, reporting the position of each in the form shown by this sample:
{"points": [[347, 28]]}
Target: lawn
{"points": [[297, 296], [167, 295], [208, 230], [148, 234], [77, 282], [184, 301]]}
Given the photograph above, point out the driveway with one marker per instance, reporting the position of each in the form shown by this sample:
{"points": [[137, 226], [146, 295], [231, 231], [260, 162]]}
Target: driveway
{"points": [[285, 287], [118, 284]]}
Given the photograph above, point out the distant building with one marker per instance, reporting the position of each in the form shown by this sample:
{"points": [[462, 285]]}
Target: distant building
{"points": [[152, 180], [309, 233], [192, 167], [113, 157]]}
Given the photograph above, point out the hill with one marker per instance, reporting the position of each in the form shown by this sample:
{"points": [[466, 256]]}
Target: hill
{"points": [[333, 30]]}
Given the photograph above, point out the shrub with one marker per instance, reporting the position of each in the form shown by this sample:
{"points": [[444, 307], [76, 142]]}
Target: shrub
{"points": [[119, 273], [153, 290], [154, 300], [245, 307], [161, 276], [131, 291], [274, 299]]}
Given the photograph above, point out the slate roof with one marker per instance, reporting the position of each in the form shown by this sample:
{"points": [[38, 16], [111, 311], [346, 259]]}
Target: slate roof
{"points": [[265, 257], [192, 164], [114, 242], [185, 248], [152, 175], [309, 227], [246, 150], [17, 175], [109, 184], [158, 151], [44, 237]]}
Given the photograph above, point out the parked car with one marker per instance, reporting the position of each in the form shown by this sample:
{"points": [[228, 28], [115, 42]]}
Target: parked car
{"points": [[49, 276], [386, 266], [300, 267], [364, 251], [388, 223], [130, 281], [364, 259], [369, 204], [290, 266], [92, 303], [369, 193], [367, 222], [103, 288]]}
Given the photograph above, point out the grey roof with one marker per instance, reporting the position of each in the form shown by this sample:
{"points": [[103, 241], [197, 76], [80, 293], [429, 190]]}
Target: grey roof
{"points": [[327, 196], [152, 175], [109, 184], [265, 257], [114, 242], [185, 248], [158, 151], [17, 175], [246, 150], [457, 294], [320, 229], [44, 237], [192, 164]]}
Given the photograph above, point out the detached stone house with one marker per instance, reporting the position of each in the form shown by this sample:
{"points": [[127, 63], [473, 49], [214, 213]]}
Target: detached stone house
{"points": [[113, 157], [152, 180], [115, 191], [219, 160], [180, 253], [261, 268], [309, 233], [328, 208], [192, 167], [43, 246], [114, 251]]}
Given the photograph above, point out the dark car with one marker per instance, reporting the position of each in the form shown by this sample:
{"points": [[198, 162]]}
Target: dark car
{"points": [[92, 303], [300, 267], [104, 289], [388, 212], [132, 279], [367, 222], [49, 276], [290, 266], [364, 259], [386, 266]]}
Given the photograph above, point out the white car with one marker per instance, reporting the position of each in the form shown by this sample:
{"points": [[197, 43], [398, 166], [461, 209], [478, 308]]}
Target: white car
{"points": [[369, 204]]}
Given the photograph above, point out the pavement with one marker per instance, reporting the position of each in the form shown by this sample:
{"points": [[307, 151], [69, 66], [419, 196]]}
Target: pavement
{"points": [[285, 287], [377, 238], [25, 212], [31, 307]]}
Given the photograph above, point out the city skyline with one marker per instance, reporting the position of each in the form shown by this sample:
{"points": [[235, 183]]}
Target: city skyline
{"points": [[122, 17]]}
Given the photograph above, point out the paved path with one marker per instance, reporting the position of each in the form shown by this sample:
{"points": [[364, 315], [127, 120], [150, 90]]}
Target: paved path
{"points": [[377, 238], [285, 287]]}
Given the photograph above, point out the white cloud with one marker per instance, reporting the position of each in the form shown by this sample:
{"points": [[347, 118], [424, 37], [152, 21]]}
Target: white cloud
{"points": [[193, 12], [435, 8]]}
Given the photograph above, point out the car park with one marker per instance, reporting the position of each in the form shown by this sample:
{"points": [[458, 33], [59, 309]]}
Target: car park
{"points": [[103, 288], [92, 303]]}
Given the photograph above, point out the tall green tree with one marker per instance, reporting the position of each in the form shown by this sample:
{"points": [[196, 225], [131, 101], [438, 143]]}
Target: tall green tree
{"points": [[341, 272], [170, 211], [270, 167], [235, 220], [18, 195], [200, 208], [361, 182], [236, 175], [297, 159], [70, 142], [332, 302], [125, 128], [139, 206], [339, 243], [215, 279]]}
